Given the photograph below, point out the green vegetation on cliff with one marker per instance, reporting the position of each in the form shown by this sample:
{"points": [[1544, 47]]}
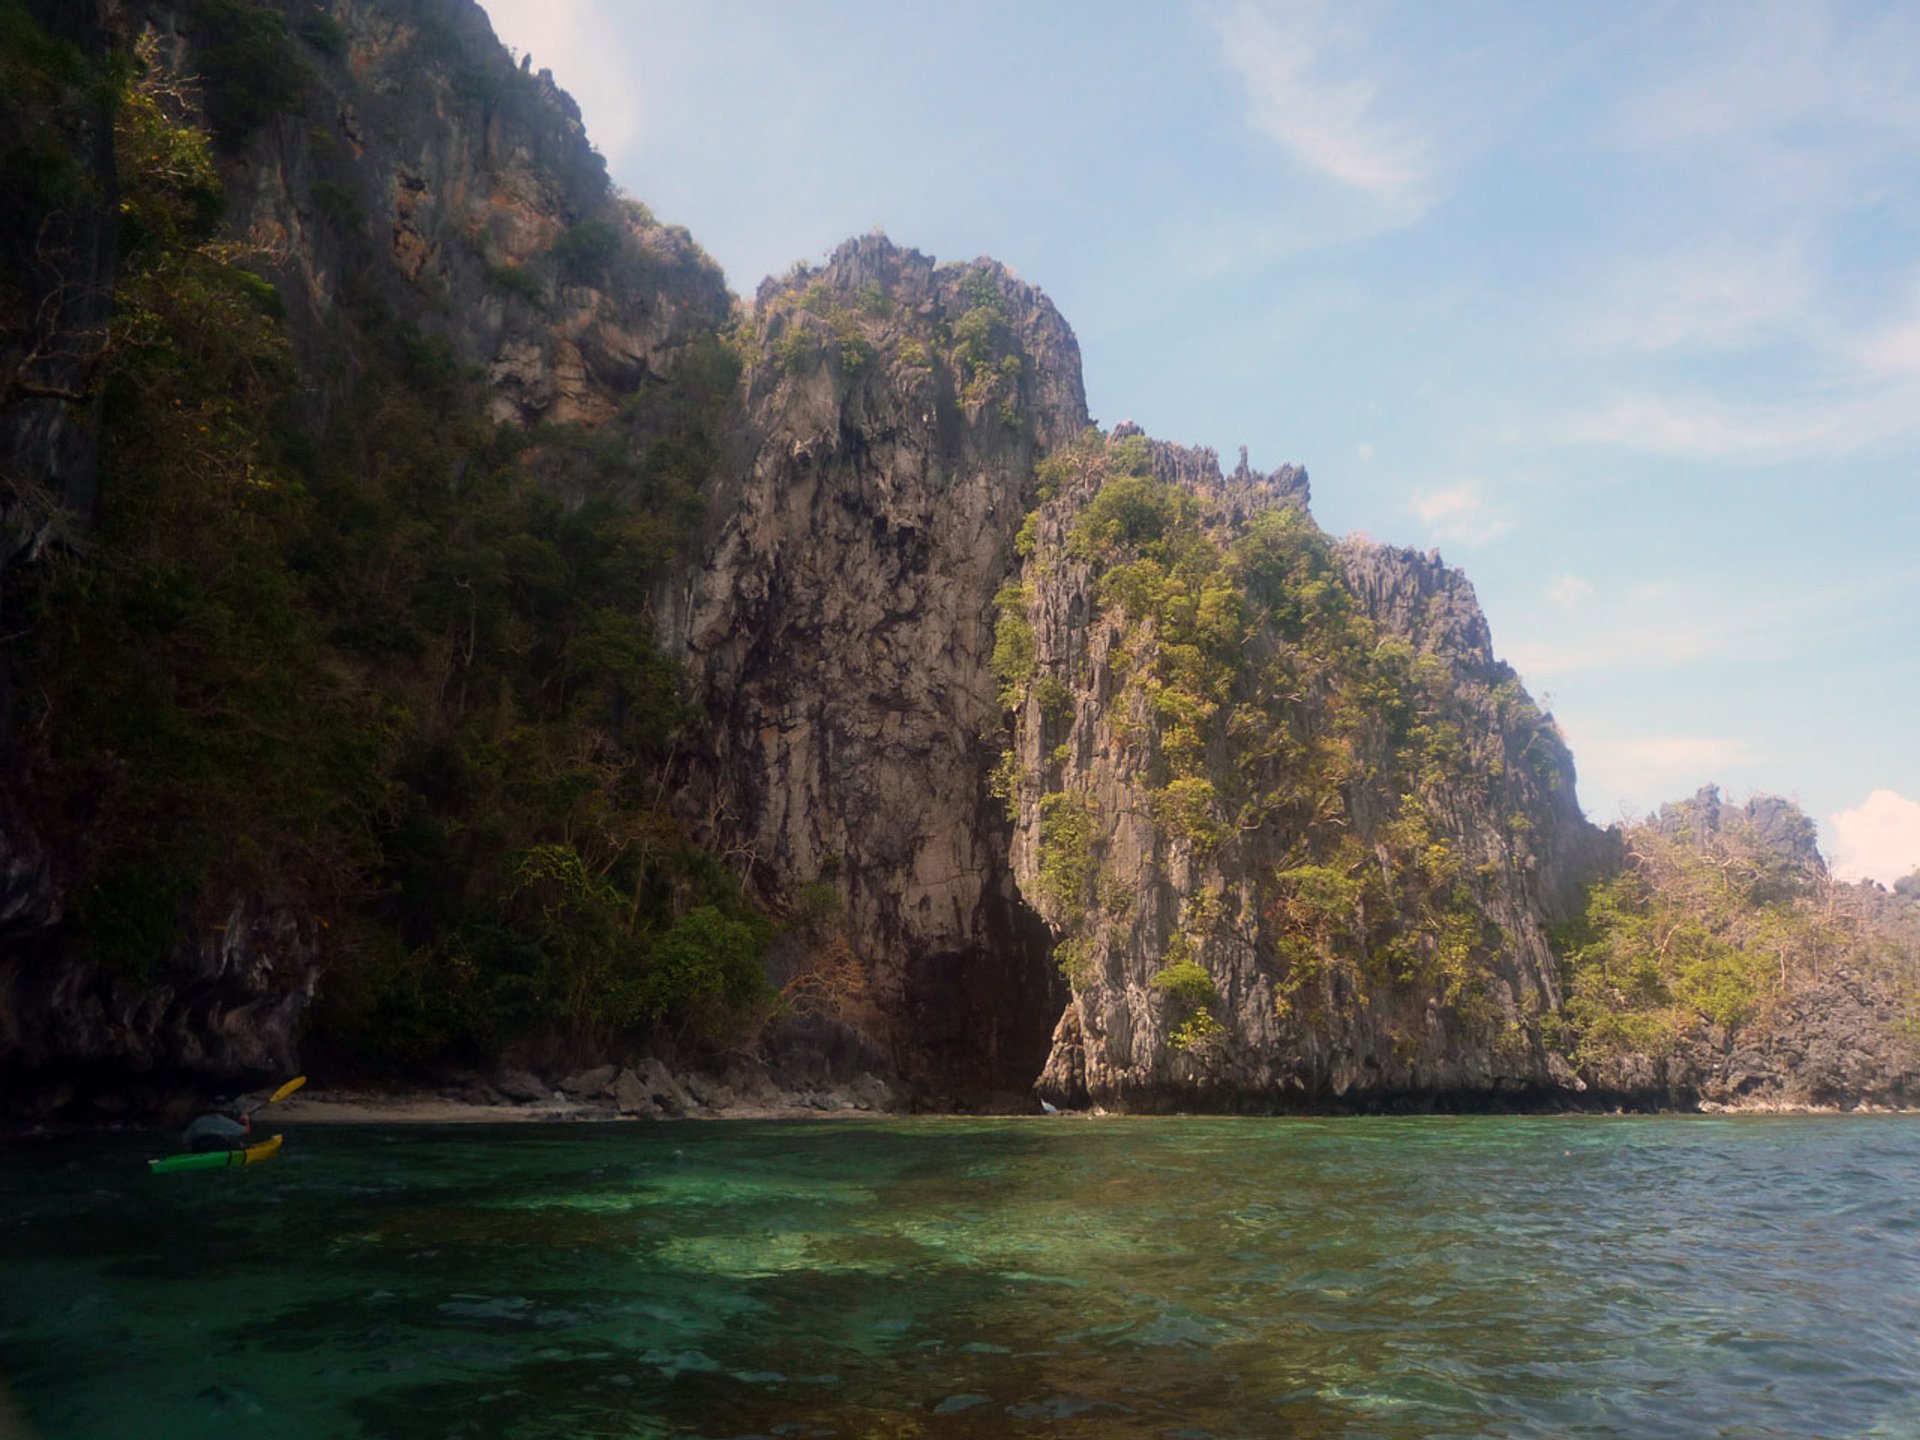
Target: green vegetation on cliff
{"points": [[375, 657], [1262, 707], [1701, 933]]}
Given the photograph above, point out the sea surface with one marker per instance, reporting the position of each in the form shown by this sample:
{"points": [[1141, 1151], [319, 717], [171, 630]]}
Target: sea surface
{"points": [[1637, 1277]]}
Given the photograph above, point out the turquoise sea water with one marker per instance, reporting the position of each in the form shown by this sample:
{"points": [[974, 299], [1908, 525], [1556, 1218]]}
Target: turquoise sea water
{"points": [[1417, 1277]]}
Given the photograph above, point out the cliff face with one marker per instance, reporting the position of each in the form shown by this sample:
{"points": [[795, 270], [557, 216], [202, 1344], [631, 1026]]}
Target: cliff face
{"points": [[838, 624], [404, 187], [58, 262], [1296, 830], [475, 182]]}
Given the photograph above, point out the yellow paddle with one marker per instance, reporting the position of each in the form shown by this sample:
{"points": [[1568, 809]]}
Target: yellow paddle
{"points": [[280, 1094], [287, 1089]]}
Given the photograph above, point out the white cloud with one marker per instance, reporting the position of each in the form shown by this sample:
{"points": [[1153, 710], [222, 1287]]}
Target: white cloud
{"points": [[1459, 515], [1775, 149], [1643, 770], [1684, 624], [1684, 754], [1894, 349], [1878, 840], [1363, 450], [1719, 294], [1651, 626], [1569, 592], [1820, 425], [1787, 70], [1299, 94], [1890, 352], [1859, 388]]}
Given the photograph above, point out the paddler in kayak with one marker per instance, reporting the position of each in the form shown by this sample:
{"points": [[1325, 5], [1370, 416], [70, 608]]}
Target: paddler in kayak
{"points": [[220, 1130], [228, 1126]]}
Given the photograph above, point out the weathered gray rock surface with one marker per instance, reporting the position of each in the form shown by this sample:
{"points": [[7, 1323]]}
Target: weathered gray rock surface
{"points": [[838, 624], [1160, 895]]}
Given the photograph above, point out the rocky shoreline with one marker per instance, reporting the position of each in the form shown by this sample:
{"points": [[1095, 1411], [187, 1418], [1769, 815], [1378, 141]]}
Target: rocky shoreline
{"points": [[440, 1107], [648, 1092], [645, 1090]]}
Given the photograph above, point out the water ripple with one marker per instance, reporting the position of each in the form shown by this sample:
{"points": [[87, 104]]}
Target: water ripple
{"points": [[1409, 1279]]}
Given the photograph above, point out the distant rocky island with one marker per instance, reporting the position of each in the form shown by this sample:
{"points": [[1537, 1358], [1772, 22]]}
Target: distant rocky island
{"points": [[446, 631]]}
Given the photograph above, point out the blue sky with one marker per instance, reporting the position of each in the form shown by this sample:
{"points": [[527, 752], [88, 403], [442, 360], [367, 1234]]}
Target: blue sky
{"points": [[1618, 306]]}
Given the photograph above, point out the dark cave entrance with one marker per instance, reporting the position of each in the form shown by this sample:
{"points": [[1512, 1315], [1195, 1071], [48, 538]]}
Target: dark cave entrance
{"points": [[979, 1020]]}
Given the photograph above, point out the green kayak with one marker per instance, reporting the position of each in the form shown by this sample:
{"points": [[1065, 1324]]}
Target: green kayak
{"points": [[216, 1159]]}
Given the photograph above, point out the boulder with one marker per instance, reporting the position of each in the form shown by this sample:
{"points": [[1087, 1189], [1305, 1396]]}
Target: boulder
{"points": [[522, 1087], [662, 1088], [710, 1092], [630, 1096], [750, 1083], [870, 1092], [589, 1084]]}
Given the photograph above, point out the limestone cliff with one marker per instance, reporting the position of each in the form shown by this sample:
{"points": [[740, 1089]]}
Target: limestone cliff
{"points": [[1297, 830], [473, 180], [406, 189], [838, 624]]}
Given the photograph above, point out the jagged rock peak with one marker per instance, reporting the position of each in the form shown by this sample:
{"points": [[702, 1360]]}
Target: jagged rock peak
{"points": [[837, 622], [1771, 822], [1295, 833], [973, 333], [1419, 596], [416, 143], [1243, 493]]}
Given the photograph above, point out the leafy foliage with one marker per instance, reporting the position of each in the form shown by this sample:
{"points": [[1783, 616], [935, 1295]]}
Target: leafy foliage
{"points": [[1188, 986], [1186, 981], [1014, 656], [820, 326], [585, 250], [519, 282], [251, 71], [985, 354], [381, 667], [1069, 823], [1265, 710], [1692, 931], [324, 33]]}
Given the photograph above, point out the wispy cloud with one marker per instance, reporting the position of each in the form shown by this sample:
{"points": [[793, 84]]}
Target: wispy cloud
{"points": [[1304, 92], [1773, 153], [1787, 70], [1858, 388], [1569, 592], [1888, 352], [1842, 388], [1646, 769], [1653, 626], [1716, 294], [1704, 427], [1879, 839], [1459, 514], [1664, 625]]}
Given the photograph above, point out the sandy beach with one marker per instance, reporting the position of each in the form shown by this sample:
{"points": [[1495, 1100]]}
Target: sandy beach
{"points": [[369, 1107]]}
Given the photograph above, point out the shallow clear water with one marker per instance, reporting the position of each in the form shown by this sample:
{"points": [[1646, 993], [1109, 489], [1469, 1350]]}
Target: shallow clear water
{"points": [[1496, 1276]]}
